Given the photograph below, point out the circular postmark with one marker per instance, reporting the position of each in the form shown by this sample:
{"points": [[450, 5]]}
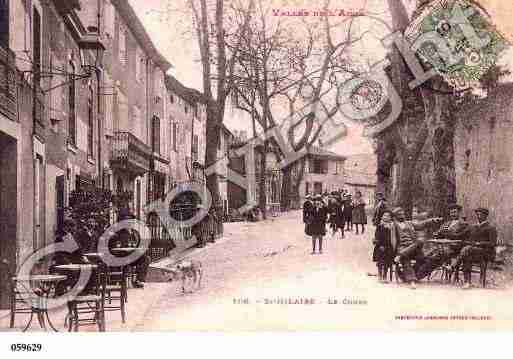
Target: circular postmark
{"points": [[458, 39]]}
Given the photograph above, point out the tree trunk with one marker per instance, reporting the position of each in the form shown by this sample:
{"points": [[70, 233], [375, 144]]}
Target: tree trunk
{"points": [[262, 198], [406, 172], [212, 139], [286, 188]]}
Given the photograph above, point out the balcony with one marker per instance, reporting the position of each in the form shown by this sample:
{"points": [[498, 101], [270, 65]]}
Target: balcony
{"points": [[8, 98], [130, 153]]}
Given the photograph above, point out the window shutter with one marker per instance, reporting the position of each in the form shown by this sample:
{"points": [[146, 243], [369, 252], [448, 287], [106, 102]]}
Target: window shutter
{"points": [[122, 45], [156, 135], [109, 19]]}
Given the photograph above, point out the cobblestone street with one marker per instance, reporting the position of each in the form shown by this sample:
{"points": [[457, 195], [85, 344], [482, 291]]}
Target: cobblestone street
{"points": [[258, 275]]}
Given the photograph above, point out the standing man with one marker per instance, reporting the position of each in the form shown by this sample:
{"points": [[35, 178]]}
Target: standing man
{"points": [[479, 247], [379, 209], [409, 248]]}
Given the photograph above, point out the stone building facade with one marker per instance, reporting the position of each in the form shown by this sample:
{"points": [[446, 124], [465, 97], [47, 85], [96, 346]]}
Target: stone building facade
{"points": [[360, 175], [67, 120], [324, 172], [134, 98], [483, 144], [187, 121]]}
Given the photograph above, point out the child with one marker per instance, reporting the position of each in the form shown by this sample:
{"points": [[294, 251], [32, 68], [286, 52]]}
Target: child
{"points": [[385, 244]]}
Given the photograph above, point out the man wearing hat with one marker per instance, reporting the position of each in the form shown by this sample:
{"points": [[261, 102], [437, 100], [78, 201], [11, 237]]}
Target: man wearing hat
{"points": [[479, 247], [455, 229], [379, 209], [408, 247]]}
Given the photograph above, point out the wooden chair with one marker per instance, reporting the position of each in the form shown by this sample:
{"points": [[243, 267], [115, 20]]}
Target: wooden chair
{"points": [[90, 301], [17, 293], [480, 268], [116, 290]]}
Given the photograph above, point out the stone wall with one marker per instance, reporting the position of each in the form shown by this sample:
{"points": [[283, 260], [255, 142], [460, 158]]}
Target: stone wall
{"points": [[483, 158]]}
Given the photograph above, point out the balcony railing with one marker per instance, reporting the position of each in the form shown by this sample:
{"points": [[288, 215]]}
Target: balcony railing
{"points": [[130, 153], [8, 96]]}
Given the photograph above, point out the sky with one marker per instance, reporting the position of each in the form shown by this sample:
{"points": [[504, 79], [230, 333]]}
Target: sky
{"points": [[167, 24]]}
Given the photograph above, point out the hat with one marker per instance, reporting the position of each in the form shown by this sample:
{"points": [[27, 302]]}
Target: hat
{"points": [[455, 206], [308, 196], [397, 210], [318, 197], [482, 210]]}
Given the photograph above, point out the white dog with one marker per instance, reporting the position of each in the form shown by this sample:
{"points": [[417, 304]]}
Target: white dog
{"points": [[187, 270]]}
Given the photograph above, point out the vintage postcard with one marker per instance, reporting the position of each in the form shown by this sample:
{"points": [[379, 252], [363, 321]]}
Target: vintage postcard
{"points": [[255, 165]]}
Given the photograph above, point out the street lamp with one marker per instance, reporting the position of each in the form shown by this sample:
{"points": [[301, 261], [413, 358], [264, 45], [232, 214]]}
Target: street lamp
{"points": [[91, 43], [91, 51]]}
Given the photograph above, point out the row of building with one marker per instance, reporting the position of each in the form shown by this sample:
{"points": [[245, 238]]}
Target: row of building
{"points": [[86, 102]]}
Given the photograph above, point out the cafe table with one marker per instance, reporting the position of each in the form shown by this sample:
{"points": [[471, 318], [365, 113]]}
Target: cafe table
{"points": [[39, 304]]}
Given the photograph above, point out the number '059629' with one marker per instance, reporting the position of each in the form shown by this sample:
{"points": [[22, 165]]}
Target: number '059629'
{"points": [[18, 347]]}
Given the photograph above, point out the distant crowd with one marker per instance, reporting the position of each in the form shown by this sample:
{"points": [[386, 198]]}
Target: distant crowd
{"points": [[338, 209]]}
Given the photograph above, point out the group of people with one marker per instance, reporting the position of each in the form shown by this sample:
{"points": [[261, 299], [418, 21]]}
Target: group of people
{"points": [[399, 242], [86, 236], [339, 209]]}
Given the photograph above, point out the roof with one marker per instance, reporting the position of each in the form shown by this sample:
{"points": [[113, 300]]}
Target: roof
{"points": [[134, 23], [320, 152], [190, 95]]}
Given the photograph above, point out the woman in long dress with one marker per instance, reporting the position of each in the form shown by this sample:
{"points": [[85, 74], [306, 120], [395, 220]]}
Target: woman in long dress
{"points": [[359, 215]]}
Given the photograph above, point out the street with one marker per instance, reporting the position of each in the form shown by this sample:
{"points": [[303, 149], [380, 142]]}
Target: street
{"points": [[261, 276], [261, 264]]}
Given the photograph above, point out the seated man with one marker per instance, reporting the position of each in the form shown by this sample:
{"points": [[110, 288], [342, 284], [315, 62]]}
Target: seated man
{"points": [[455, 229], [409, 248], [479, 247]]}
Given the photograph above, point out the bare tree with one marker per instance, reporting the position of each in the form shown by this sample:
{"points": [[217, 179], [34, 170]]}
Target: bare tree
{"points": [[212, 21], [275, 67]]}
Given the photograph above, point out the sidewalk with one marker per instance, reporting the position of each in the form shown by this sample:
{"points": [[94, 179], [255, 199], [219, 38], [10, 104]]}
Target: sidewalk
{"points": [[140, 301]]}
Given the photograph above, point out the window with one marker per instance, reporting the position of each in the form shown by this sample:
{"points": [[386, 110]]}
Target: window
{"points": [[186, 108], [195, 148], [318, 166], [338, 167], [171, 98], [137, 123], [36, 33], [109, 105], [307, 188], [155, 137], [72, 125], [90, 124], [109, 19], [139, 65], [4, 23], [175, 135], [122, 46], [56, 33]]}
